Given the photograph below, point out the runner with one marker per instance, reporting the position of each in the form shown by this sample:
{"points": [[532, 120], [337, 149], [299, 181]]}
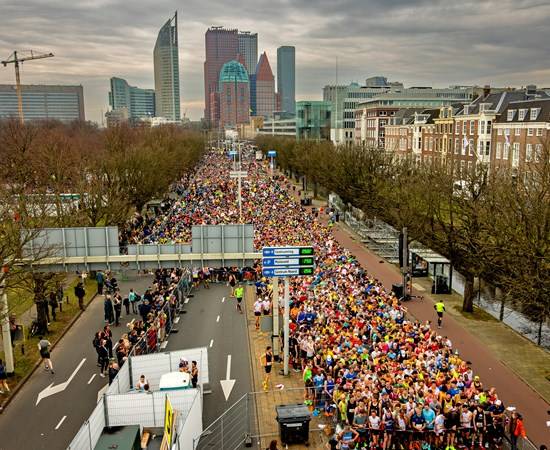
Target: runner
{"points": [[232, 281], [44, 348], [267, 363], [258, 311], [239, 294], [439, 309]]}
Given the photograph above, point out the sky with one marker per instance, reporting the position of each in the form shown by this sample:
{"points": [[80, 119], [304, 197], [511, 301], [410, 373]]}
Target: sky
{"points": [[419, 42]]}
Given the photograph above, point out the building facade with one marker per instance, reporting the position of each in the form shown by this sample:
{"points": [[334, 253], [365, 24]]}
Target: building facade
{"points": [[221, 46], [264, 92], [313, 120], [167, 75], [43, 102], [248, 49], [373, 115], [139, 103], [286, 78], [521, 135], [234, 95]]}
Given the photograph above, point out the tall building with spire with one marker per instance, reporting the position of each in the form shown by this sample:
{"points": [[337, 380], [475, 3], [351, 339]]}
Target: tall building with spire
{"points": [[167, 73], [286, 78], [264, 87]]}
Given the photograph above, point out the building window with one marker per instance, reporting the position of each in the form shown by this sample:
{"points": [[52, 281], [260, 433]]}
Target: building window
{"points": [[511, 113], [515, 154], [471, 147], [530, 131], [522, 113], [487, 148], [507, 131], [528, 152], [505, 151], [499, 150], [539, 131], [499, 131], [538, 152], [489, 125], [534, 113], [472, 125], [517, 131]]}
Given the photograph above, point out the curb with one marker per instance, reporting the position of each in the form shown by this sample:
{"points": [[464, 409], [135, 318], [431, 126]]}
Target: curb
{"points": [[26, 378]]}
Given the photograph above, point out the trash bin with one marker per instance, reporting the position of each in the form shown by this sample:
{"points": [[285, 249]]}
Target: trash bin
{"points": [[397, 290], [293, 423]]}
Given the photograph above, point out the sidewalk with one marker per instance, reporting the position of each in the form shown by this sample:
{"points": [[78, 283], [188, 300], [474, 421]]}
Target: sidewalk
{"points": [[516, 367], [292, 392]]}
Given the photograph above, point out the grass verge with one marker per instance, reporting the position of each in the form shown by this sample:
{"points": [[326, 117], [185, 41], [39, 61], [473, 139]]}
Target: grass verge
{"points": [[25, 352]]}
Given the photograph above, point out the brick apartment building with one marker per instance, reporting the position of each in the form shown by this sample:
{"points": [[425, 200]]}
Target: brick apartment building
{"points": [[479, 131]]}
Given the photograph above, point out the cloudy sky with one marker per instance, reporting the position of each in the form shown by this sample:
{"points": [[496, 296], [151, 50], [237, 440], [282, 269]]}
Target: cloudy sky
{"points": [[419, 42]]}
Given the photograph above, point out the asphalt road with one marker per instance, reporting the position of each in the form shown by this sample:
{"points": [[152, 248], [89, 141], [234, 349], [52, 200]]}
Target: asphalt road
{"points": [[25, 425], [216, 324], [56, 419]]}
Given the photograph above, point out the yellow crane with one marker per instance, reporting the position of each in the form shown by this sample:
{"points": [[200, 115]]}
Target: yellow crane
{"points": [[16, 59]]}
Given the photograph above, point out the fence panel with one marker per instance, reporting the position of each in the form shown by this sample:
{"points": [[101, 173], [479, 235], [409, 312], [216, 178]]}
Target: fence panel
{"points": [[121, 384], [90, 432], [133, 408], [152, 366], [199, 354], [190, 426]]}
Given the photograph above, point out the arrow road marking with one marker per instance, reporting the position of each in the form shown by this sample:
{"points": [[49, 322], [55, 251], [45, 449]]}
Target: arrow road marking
{"points": [[60, 422], [227, 384], [60, 387]]}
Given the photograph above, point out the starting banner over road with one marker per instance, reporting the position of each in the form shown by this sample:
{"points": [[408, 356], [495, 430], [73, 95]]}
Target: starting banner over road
{"points": [[287, 261]]}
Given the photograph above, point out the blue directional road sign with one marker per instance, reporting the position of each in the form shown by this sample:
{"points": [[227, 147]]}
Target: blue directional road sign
{"points": [[289, 272], [233, 152], [287, 261], [271, 153], [287, 251]]}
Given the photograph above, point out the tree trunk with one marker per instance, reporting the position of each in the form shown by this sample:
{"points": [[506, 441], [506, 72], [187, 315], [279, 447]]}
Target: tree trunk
{"points": [[41, 315], [539, 334], [468, 303], [315, 189]]}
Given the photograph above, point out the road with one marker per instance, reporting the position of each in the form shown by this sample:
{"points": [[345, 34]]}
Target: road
{"points": [[56, 419], [213, 321]]}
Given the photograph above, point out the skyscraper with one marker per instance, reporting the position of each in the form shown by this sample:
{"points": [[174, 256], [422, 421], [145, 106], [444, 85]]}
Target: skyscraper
{"points": [[167, 73], [248, 48], [234, 94], [139, 102], [286, 78], [221, 46], [264, 88]]}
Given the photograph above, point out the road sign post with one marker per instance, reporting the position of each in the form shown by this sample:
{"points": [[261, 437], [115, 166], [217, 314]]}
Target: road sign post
{"points": [[275, 343], [285, 262], [271, 154]]}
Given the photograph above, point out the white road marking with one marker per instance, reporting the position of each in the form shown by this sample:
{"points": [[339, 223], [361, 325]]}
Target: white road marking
{"points": [[186, 300], [60, 422], [223, 300], [418, 287], [163, 345], [176, 320], [211, 343], [218, 319], [228, 383], [59, 387], [92, 378]]}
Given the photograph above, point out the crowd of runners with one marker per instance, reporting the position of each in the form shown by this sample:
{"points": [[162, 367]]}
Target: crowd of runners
{"points": [[388, 381]]}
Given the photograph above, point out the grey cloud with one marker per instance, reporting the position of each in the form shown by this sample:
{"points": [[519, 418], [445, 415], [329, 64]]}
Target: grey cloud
{"points": [[435, 42]]}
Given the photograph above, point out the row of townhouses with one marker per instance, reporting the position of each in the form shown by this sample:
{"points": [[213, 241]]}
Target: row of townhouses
{"points": [[503, 129]]}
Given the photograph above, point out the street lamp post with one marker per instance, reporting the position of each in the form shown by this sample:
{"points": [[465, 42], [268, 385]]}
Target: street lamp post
{"points": [[4, 315]]}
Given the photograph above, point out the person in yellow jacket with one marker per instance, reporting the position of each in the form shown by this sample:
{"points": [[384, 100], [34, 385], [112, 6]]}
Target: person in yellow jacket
{"points": [[439, 309]]}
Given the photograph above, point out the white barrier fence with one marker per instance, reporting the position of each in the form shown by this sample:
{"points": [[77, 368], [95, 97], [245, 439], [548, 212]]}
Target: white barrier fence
{"points": [[90, 432], [155, 365]]}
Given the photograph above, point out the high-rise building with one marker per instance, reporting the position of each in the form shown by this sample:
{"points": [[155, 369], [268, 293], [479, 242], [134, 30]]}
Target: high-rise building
{"points": [[43, 102], [286, 78], [313, 120], [234, 94], [167, 73], [139, 103], [221, 46], [248, 48], [265, 88]]}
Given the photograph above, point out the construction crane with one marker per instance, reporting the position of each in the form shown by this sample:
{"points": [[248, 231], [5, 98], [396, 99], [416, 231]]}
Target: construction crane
{"points": [[16, 59]]}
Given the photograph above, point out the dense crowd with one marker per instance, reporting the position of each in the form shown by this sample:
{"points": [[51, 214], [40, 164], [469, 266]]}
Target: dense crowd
{"points": [[155, 307], [389, 381]]}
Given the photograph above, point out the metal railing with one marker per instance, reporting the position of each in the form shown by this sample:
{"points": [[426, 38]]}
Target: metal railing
{"points": [[152, 339]]}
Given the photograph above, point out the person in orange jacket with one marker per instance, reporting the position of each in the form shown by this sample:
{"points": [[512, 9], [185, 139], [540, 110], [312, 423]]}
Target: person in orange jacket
{"points": [[517, 429]]}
